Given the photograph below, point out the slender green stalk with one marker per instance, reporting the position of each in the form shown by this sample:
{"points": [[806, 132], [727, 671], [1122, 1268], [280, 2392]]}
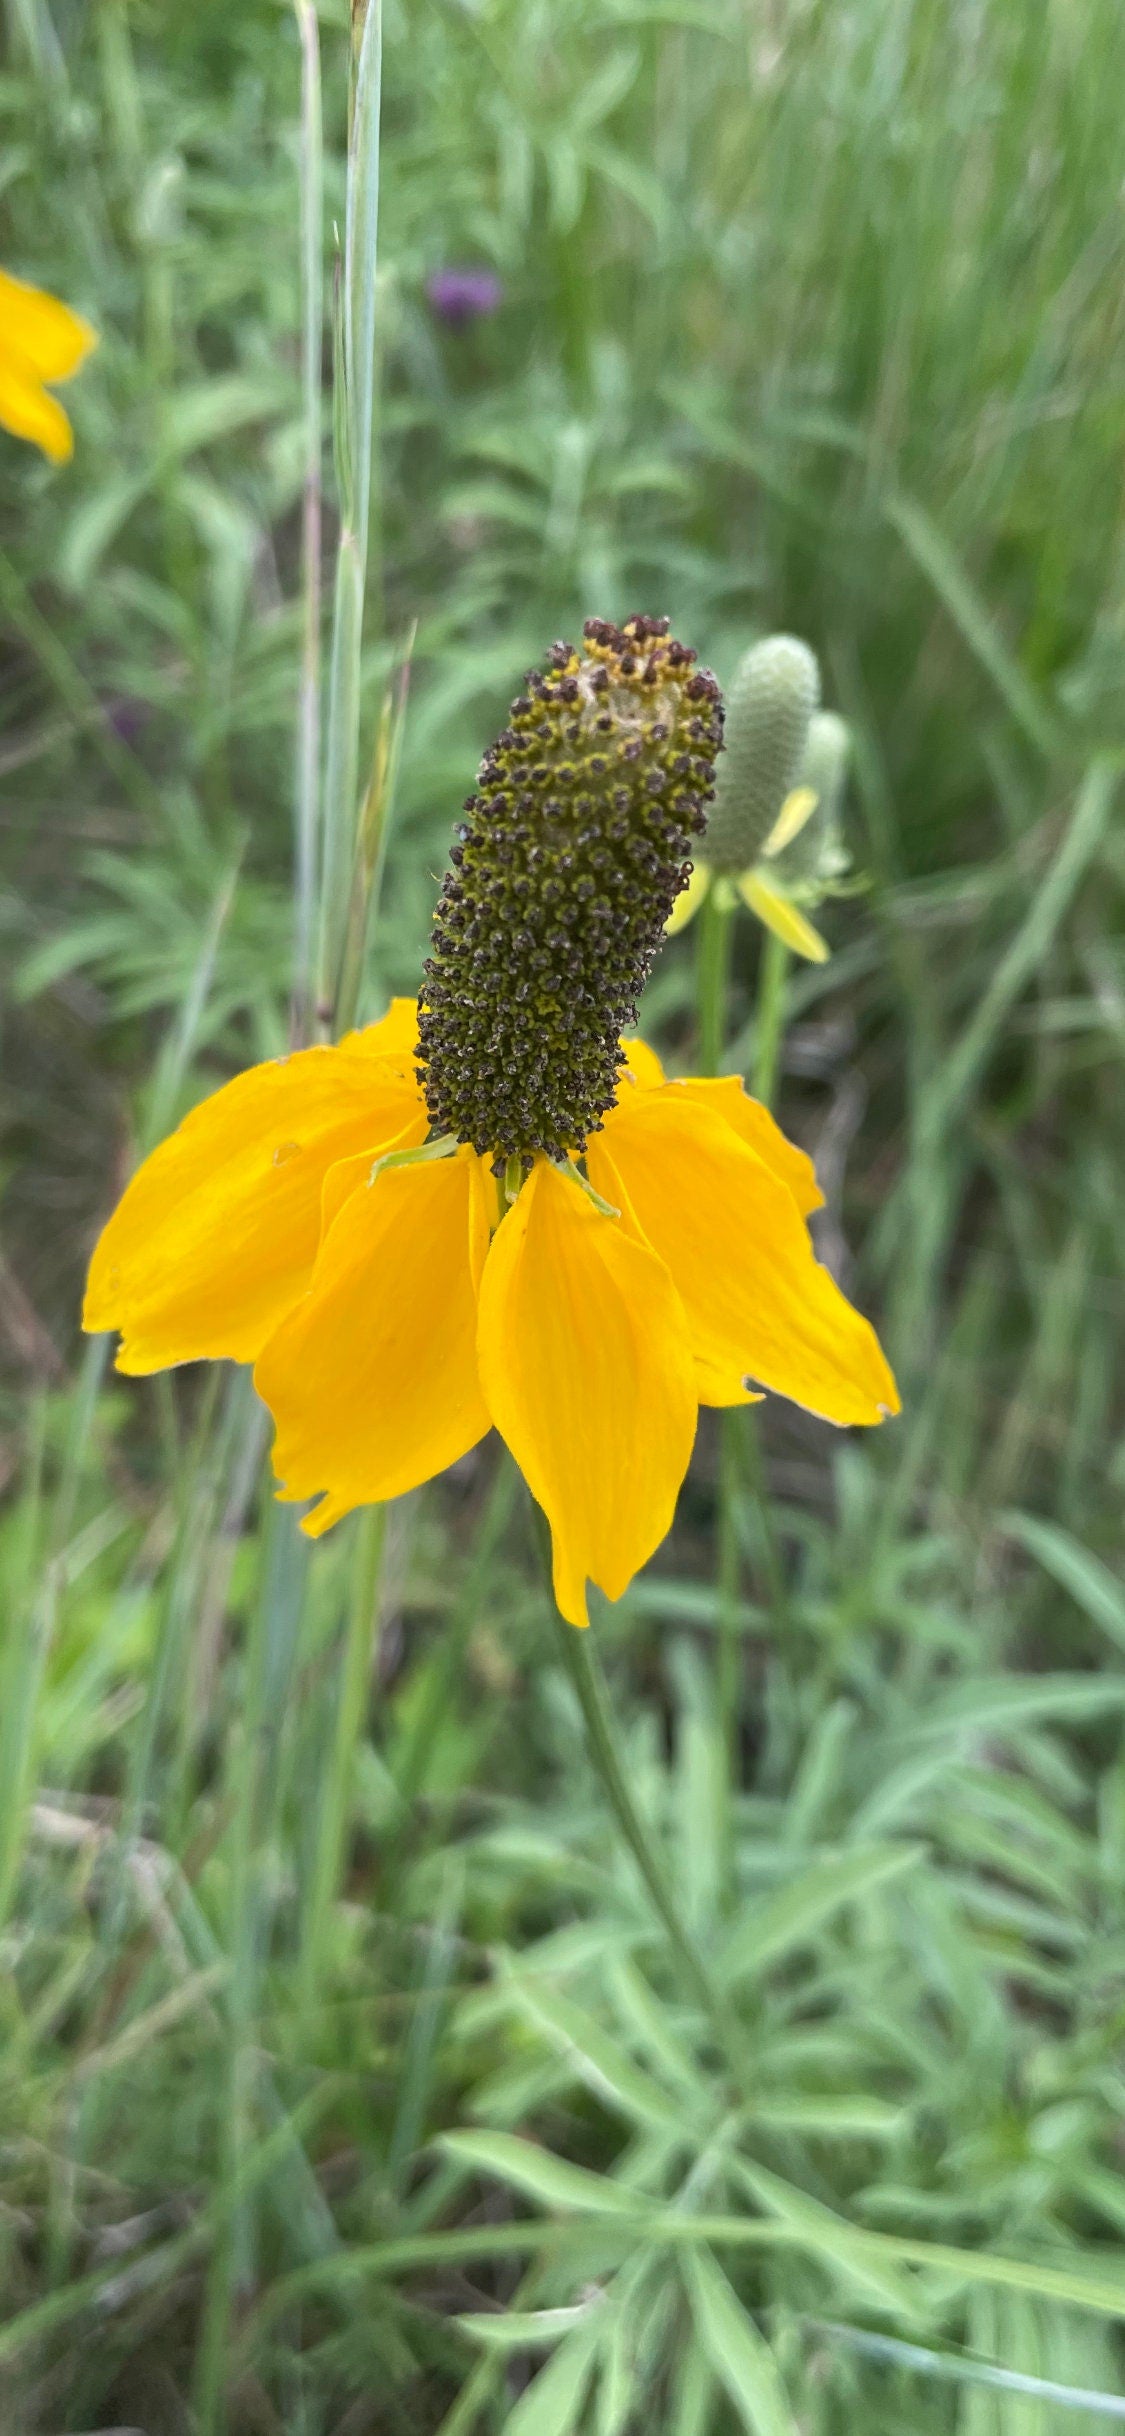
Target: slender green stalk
{"points": [[354, 424], [307, 791], [712, 979], [712, 986], [771, 1016], [583, 1666]]}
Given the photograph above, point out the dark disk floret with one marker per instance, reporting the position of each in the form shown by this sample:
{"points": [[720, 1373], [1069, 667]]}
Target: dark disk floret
{"points": [[562, 878]]}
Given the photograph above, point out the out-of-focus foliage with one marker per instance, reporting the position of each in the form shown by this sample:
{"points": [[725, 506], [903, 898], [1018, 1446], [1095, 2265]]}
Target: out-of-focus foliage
{"points": [[811, 320]]}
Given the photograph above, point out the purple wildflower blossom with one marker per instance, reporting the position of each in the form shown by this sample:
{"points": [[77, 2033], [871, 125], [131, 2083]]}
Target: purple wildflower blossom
{"points": [[460, 297]]}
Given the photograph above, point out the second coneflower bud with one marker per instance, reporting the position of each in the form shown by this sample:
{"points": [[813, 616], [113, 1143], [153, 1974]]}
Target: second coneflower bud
{"points": [[769, 706]]}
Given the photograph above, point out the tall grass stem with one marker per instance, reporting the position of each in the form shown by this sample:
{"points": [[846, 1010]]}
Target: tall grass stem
{"points": [[354, 425], [307, 788]]}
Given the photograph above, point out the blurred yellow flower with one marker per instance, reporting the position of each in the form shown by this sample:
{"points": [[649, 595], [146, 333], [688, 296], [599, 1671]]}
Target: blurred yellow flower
{"points": [[41, 340], [395, 1300]]}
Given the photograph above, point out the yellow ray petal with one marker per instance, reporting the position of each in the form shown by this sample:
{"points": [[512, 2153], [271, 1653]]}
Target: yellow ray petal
{"points": [[216, 1235], [758, 1303], [781, 916], [51, 339], [346, 1175], [587, 1372], [372, 1379], [395, 1034], [755, 1125], [642, 1064], [29, 412], [798, 807], [689, 900]]}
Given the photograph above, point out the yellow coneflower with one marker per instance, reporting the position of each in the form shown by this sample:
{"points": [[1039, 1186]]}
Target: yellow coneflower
{"points": [[41, 340], [487, 1210]]}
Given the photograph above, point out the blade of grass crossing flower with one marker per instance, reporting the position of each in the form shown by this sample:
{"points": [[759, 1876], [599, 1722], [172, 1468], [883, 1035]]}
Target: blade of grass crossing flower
{"points": [[355, 423], [738, 2354], [307, 790], [371, 841]]}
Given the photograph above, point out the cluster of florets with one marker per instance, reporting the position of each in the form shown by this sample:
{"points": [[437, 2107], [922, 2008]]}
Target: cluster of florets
{"points": [[563, 875]]}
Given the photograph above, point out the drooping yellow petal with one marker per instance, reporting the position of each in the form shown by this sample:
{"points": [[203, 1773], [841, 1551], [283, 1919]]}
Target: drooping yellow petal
{"points": [[29, 411], [780, 915], [642, 1064], [759, 1305], [346, 1175], [798, 807], [689, 900], [754, 1124], [40, 340], [372, 1378], [216, 1235], [395, 1034], [587, 1373], [52, 339]]}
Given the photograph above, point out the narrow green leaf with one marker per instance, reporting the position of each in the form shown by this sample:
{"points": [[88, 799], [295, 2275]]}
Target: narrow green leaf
{"points": [[594, 2056], [520, 2329], [740, 2358], [550, 2405], [1090, 1583], [549, 2180], [931, 552], [794, 1914]]}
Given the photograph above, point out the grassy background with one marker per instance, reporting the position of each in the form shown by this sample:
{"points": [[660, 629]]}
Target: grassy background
{"points": [[345, 2081]]}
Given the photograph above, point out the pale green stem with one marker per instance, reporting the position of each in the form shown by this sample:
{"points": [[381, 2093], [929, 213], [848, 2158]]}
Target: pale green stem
{"points": [[712, 982], [712, 976], [580, 1658], [768, 1029]]}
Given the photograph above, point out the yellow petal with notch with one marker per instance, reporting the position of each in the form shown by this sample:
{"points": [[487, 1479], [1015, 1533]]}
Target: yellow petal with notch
{"points": [[587, 1372]]}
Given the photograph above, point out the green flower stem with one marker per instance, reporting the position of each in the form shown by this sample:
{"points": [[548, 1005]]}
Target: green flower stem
{"points": [[580, 1658], [712, 981], [768, 1029], [712, 976]]}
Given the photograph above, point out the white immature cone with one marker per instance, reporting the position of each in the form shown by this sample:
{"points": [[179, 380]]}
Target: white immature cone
{"points": [[769, 709]]}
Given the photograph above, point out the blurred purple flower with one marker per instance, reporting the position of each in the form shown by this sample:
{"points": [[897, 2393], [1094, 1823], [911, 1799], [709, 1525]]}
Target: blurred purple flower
{"points": [[462, 297], [127, 717]]}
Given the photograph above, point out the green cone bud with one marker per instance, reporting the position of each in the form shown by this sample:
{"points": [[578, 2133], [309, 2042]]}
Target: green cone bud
{"points": [[816, 853], [562, 879], [769, 706]]}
